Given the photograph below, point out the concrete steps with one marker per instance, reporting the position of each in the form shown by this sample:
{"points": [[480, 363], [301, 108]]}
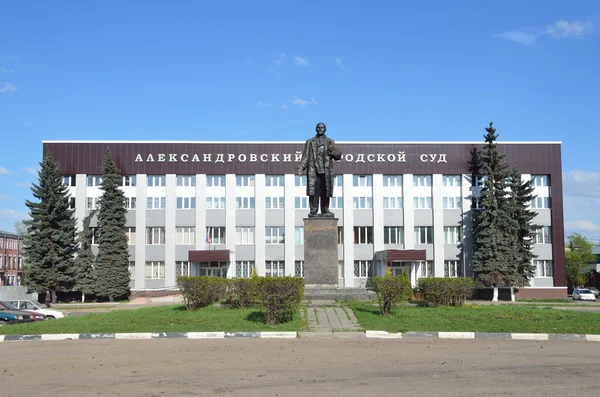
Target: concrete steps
{"points": [[330, 294]]}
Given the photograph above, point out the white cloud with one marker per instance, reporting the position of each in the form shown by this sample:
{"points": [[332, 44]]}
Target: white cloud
{"points": [[582, 225], [301, 102], [528, 39], [8, 88], [284, 107], [301, 61], [564, 29], [4, 171], [277, 63], [7, 214], [3, 70], [249, 60], [339, 64], [264, 105], [9, 58], [22, 184], [2, 196], [31, 170], [581, 183]]}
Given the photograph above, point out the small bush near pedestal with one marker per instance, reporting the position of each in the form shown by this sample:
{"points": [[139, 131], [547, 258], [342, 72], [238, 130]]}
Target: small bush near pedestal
{"points": [[391, 289], [446, 291], [242, 292], [201, 291], [280, 297]]}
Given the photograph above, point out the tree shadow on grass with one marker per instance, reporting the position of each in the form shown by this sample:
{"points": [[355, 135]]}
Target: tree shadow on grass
{"points": [[256, 317], [370, 310]]}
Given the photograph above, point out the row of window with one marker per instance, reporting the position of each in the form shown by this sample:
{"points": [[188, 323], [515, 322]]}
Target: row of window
{"points": [[11, 262], [11, 244]]}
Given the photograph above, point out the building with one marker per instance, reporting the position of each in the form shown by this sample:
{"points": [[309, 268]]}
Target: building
{"points": [[11, 259], [224, 208]]}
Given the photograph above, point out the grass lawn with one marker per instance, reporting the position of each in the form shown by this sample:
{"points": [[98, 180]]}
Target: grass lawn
{"points": [[172, 318], [485, 318]]}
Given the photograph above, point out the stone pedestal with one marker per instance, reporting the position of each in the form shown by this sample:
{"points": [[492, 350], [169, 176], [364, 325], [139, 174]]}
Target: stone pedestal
{"points": [[321, 252]]}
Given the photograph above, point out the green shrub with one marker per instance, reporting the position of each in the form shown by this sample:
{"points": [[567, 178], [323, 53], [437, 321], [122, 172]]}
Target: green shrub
{"points": [[280, 297], [201, 291], [391, 289], [242, 292], [446, 291]]}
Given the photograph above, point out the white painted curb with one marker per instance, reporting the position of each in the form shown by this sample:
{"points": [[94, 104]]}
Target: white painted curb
{"points": [[59, 336], [529, 336], [279, 335], [456, 335], [206, 335], [1, 338], [383, 335], [592, 338], [146, 335]]}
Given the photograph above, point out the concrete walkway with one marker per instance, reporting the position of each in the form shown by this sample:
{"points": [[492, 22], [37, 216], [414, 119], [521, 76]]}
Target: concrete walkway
{"points": [[330, 319]]}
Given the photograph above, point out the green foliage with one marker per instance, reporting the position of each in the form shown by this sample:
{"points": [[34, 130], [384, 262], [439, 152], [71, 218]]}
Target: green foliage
{"points": [[85, 273], [50, 237], [390, 290], [201, 291], [112, 262], [242, 292], [280, 297], [446, 291], [577, 255]]}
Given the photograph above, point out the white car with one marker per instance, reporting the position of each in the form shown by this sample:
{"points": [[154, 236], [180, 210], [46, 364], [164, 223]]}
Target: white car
{"points": [[31, 306], [583, 294]]}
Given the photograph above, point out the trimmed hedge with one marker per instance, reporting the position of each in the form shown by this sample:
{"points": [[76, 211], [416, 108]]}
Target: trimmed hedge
{"points": [[391, 289], [446, 291], [280, 297], [242, 292], [201, 291]]}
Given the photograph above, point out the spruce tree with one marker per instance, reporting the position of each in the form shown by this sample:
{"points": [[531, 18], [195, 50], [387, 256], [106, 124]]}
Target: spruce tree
{"points": [[494, 228], [50, 239], [112, 261], [85, 273]]}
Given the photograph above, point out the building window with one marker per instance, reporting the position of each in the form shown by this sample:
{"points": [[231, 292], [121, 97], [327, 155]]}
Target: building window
{"points": [[186, 203], [451, 202], [452, 269], [129, 180], [130, 234], [422, 203], [300, 180], [182, 268], [244, 269], [215, 180], [244, 235], [299, 235], [480, 180], [157, 180], [156, 203], [393, 235], [94, 180], [92, 203], [215, 235], [130, 203], [423, 235], [299, 269], [131, 268], [72, 203], [392, 202], [155, 270], [541, 180], [215, 203], [69, 180], [362, 202], [421, 180], [95, 235], [452, 235], [392, 180], [338, 180], [274, 235], [186, 180], [544, 268], [340, 234], [244, 180], [362, 180], [363, 234], [185, 235], [301, 203], [244, 202], [541, 202], [363, 269], [543, 235], [274, 202], [155, 235], [274, 180], [427, 269], [451, 180], [274, 268]]}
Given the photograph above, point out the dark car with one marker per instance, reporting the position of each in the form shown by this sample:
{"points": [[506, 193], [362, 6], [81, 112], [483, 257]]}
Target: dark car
{"points": [[7, 306], [595, 291], [14, 317]]}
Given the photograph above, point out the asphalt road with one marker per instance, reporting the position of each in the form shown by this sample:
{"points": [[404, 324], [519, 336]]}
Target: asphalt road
{"points": [[298, 367]]}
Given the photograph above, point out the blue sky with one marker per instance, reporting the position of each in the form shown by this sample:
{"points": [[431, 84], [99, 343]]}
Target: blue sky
{"points": [[269, 70]]}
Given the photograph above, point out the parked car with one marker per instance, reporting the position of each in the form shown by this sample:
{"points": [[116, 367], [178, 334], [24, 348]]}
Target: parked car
{"points": [[8, 317], [36, 316], [583, 294], [33, 307], [595, 291]]}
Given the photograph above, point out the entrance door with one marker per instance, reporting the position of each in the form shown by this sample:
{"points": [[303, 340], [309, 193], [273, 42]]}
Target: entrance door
{"points": [[400, 268]]}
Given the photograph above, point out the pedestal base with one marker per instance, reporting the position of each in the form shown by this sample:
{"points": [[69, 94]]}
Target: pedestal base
{"points": [[321, 252]]}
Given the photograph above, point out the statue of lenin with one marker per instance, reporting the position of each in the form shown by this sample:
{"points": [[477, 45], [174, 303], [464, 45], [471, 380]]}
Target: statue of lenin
{"points": [[317, 160]]}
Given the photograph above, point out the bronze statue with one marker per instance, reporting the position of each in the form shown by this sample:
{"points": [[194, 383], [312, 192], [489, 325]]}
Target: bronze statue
{"points": [[317, 160]]}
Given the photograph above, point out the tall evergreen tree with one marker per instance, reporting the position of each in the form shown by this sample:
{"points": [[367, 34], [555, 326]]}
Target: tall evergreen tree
{"points": [[494, 227], [50, 238], [112, 261], [85, 273]]}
